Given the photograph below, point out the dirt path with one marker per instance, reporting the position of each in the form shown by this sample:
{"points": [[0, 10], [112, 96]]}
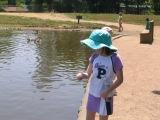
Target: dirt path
{"points": [[139, 96]]}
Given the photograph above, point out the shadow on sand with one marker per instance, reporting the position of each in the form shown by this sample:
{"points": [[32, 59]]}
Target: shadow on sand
{"points": [[156, 92]]}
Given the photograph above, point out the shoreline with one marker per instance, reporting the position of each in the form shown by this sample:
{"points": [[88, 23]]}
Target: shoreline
{"points": [[43, 28], [82, 107]]}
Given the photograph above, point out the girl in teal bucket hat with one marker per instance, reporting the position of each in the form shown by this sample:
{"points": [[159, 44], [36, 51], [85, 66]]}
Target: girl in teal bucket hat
{"points": [[98, 39], [105, 72]]}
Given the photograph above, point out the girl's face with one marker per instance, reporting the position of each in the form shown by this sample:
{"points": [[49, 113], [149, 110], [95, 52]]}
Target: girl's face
{"points": [[99, 51], [103, 51]]}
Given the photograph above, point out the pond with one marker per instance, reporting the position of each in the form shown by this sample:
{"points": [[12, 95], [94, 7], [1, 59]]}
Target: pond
{"points": [[37, 78]]}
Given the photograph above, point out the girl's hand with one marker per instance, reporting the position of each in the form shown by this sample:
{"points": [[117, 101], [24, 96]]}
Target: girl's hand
{"points": [[104, 94], [82, 75], [79, 76]]}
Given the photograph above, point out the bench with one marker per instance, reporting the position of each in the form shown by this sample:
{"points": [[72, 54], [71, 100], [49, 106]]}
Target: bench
{"points": [[146, 36], [78, 17]]}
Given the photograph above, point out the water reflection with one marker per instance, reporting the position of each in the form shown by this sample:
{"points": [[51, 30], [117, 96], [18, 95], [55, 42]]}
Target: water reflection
{"points": [[58, 56], [41, 75], [6, 47]]}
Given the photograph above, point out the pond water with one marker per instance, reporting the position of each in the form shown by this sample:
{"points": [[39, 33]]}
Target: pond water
{"points": [[37, 79]]}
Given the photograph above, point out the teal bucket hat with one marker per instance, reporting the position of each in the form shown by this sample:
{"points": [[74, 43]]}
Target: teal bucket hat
{"points": [[99, 38]]}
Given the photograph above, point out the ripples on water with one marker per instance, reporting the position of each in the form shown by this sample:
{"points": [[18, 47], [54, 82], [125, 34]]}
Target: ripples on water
{"points": [[38, 79]]}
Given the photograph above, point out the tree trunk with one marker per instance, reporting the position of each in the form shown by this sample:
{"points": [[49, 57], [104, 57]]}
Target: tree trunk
{"points": [[12, 2]]}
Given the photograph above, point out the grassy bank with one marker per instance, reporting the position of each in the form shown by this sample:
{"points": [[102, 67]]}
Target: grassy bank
{"points": [[127, 18], [16, 21]]}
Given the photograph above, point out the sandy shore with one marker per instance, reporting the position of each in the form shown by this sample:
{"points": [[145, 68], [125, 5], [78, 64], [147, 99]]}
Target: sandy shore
{"points": [[139, 96]]}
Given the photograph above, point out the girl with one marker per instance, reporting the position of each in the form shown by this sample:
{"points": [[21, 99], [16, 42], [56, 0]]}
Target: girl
{"points": [[104, 66], [120, 22]]}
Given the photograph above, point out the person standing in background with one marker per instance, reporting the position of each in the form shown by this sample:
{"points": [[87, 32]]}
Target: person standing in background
{"points": [[147, 24], [120, 29]]}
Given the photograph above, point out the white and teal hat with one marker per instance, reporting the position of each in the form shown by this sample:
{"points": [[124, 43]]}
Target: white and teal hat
{"points": [[99, 38], [108, 29]]}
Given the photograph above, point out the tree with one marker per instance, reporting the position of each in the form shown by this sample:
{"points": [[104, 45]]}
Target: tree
{"points": [[12, 2], [50, 5], [139, 2], [38, 5], [27, 2], [156, 6]]}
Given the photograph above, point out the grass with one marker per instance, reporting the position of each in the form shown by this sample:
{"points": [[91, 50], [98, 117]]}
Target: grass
{"points": [[29, 22], [5, 33], [16, 21], [127, 18]]}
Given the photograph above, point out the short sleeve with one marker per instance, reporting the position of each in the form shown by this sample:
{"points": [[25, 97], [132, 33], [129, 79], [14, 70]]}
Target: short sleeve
{"points": [[117, 62], [93, 56]]}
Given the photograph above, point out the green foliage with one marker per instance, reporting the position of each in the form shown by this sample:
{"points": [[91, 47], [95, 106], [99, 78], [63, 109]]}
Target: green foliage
{"points": [[156, 6], [3, 2], [20, 2], [5, 33], [92, 6]]}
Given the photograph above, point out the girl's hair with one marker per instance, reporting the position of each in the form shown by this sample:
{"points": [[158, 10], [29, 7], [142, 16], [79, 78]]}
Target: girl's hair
{"points": [[107, 51], [147, 19], [120, 13]]}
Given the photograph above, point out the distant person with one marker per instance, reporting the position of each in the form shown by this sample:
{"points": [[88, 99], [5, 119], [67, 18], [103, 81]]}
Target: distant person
{"points": [[147, 24], [104, 67], [120, 28]]}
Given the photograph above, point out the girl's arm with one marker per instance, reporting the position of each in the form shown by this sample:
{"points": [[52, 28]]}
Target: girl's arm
{"points": [[86, 74], [117, 83]]}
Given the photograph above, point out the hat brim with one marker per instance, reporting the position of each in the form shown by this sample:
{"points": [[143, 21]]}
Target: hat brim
{"points": [[95, 45]]}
